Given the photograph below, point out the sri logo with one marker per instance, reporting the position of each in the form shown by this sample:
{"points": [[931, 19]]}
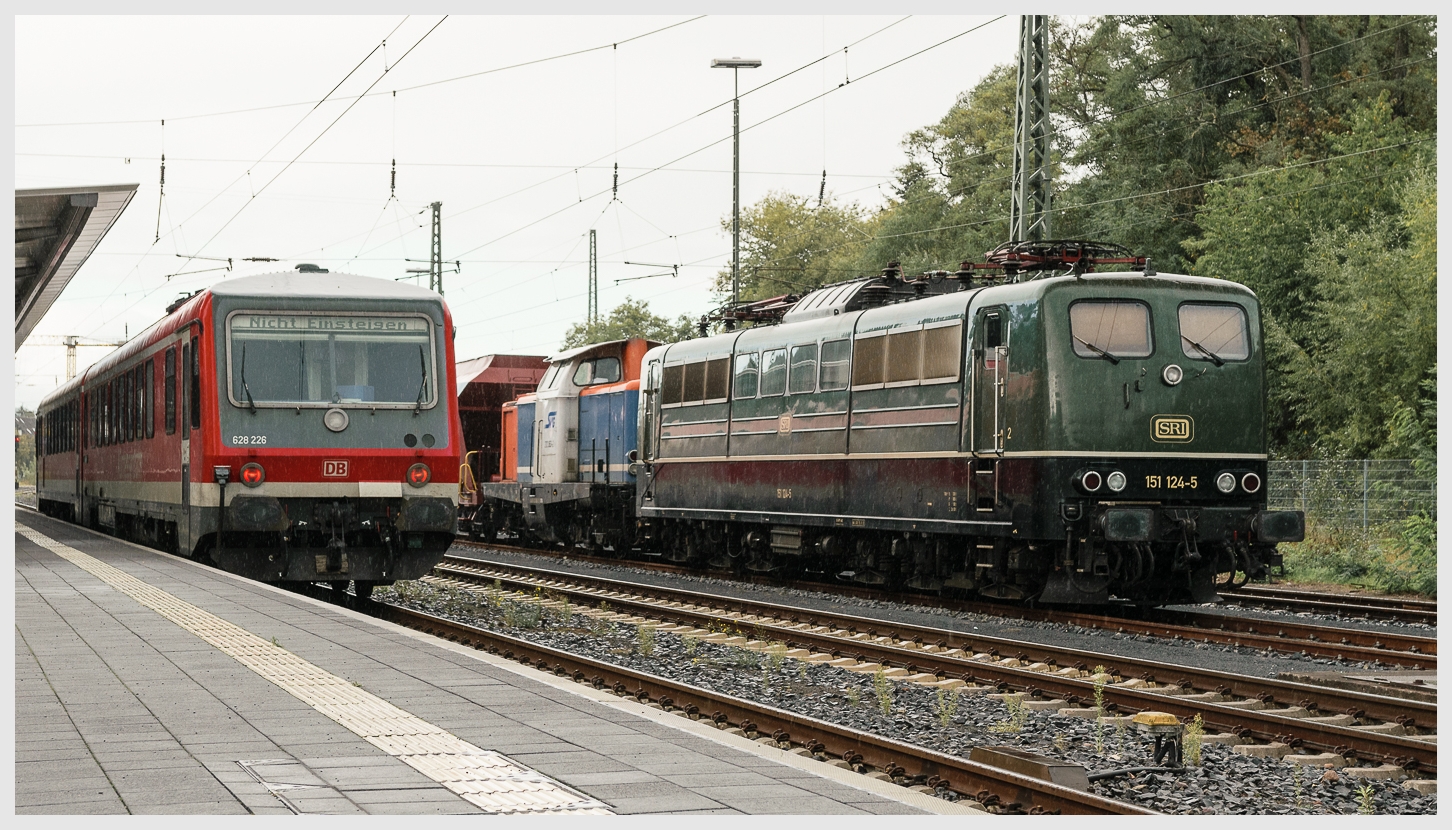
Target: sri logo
{"points": [[550, 421], [1172, 429]]}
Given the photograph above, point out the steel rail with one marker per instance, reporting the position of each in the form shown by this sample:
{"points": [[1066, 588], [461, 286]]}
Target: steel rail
{"points": [[904, 647], [1287, 636], [1392, 608], [979, 781]]}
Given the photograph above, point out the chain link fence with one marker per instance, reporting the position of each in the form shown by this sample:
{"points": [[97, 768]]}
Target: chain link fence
{"points": [[1351, 494]]}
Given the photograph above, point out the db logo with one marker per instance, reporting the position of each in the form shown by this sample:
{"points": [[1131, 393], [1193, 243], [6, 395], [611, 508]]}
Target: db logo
{"points": [[1172, 429], [335, 469]]}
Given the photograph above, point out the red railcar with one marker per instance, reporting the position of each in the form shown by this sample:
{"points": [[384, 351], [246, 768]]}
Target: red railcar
{"points": [[286, 427]]}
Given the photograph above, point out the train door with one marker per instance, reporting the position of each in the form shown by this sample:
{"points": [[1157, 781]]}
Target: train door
{"points": [[990, 375], [184, 386]]}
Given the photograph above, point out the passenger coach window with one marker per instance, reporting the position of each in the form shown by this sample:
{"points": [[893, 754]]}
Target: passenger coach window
{"points": [[1214, 332], [803, 376], [695, 386], [773, 372], [194, 387], [836, 365], [748, 371], [1110, 329], [169, 390], [149, 406]]}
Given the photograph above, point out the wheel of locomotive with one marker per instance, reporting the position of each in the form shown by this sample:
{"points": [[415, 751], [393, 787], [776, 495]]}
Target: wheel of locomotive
{"points": [[339, 592], [363, 589]]}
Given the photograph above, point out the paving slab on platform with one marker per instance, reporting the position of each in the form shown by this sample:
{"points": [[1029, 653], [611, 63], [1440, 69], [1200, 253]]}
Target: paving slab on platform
{"points": [[149, 684]]}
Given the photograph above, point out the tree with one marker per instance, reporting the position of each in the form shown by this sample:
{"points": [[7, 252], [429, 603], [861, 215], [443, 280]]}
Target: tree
{"points": [[790, 245], [631, 318]]}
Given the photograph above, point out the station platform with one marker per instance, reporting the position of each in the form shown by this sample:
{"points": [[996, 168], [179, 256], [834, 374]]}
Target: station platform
{"points": [[148, 684]]}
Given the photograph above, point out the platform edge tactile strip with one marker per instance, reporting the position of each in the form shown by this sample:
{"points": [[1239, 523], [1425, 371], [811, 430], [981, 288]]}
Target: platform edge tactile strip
{"points": [[484, 778]]}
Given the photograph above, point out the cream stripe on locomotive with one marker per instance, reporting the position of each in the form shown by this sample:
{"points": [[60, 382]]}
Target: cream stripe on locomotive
{"points": [[969, 455], [484, 778]]}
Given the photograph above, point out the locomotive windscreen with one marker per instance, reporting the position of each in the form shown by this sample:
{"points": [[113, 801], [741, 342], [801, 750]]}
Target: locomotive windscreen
{"points": [[288, 359]]}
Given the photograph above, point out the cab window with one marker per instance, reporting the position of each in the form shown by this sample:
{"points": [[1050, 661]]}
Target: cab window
{"points": [[597, 370], [1118, 328], [1213, 330]]}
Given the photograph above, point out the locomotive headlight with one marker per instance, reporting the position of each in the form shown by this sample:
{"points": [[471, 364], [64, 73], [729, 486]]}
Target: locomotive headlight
{"points": [[253, 474], [1251, 482], [419, 475], [1090, 481], [1225, 483], [1117, 481], [335, 419], [1173, 375]]}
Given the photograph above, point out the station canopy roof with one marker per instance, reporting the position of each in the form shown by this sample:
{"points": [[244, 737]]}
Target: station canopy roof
{"points": [[56, 230]]}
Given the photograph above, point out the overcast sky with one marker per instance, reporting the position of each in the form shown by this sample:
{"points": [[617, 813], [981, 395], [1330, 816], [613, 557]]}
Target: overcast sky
{"points": [[521, 158]]}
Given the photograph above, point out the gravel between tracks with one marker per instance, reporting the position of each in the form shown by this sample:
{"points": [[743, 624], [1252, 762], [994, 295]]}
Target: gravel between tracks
{"points": [[1210, 656], [1224, 783]]}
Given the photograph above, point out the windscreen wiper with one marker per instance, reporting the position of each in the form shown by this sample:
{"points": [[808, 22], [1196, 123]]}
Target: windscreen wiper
{"points": [[1106, 355], [1213, 356], [423, 367], [250, 403]]}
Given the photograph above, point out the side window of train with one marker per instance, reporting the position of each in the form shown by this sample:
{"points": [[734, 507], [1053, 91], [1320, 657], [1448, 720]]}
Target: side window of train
{"points": [[748, 372], [169, 390], [868, 364], [1214, 330], [673, 385], [993, 330], [718, 379], [942, 352], [186, 354], [150, 407], [773, 372], [802, 377], [836, 365], [195, 402]]}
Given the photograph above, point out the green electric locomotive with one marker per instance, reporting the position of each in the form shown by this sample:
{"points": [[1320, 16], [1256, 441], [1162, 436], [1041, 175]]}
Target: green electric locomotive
{"points": [[1047, 433]]}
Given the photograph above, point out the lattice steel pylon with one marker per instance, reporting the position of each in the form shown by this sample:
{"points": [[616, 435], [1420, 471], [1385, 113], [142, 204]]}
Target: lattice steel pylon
{"points": [[1029, 213], [436, 253], [592, 315]]}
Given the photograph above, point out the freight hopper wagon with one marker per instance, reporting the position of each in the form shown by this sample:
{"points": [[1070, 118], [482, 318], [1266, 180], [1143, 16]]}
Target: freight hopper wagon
{"points": [[565, 474], [1065, 438], [291, 427]]}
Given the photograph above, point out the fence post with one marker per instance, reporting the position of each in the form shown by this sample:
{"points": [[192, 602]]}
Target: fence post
{"points": [[1306, 483], [1365, 494]]}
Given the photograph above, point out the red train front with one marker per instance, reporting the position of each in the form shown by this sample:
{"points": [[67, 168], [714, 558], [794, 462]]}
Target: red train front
{"points": [[317, 407]]}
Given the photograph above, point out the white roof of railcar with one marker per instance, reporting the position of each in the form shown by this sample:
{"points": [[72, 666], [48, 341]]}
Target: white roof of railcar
{"points": [[312, 284]]}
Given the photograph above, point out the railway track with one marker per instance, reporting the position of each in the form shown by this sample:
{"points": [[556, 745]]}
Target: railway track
{"points": [[1292, 636], [1343, 722], [990, 786], [1399, 609]]}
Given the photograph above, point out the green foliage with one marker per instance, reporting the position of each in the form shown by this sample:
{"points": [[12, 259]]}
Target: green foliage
{"points": [[631, 318], [645, 640], [1194, 740], [1364, 795], [882, 688], [791, 244], [25, 450], [947, 706], [1016, 718]]}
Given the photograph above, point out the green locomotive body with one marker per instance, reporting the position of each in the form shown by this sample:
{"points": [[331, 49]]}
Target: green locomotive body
{"points": [[1067, 439]]}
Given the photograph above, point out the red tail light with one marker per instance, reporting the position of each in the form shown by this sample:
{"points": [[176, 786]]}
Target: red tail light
{"points": [[419, 475], [253, 474]]}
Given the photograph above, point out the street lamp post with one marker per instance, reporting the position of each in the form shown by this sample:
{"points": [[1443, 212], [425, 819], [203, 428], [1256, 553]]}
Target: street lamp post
{"points": [[735, 64]]}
